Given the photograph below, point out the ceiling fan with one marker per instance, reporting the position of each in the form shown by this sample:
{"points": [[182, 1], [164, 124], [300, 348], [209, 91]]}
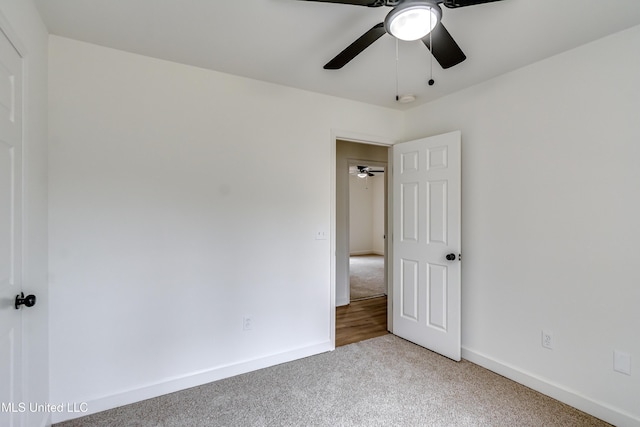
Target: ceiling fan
{"points": [[408, 20], [365, 171]]}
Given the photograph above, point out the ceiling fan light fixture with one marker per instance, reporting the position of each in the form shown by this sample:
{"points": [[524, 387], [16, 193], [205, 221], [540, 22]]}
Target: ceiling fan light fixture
{"points": [[412, 20], [363, 175]]}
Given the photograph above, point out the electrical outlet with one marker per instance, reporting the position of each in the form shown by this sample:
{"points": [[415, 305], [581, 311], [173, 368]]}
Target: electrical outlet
{"points": [[247, 323], [547, 339], [622, 362], [321, 235]]}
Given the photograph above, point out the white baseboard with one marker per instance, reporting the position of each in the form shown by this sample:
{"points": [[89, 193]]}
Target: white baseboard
{"points": [[600, 410], [356, 253], [342, 301], [194, 379]]}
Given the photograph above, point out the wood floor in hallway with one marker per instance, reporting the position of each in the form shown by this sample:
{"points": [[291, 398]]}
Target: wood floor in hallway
{"points": [[361, 320]]}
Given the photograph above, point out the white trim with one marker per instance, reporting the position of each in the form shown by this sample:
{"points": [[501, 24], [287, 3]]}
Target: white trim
{"points": [[332, 243], [171, 385], [341, 302], [547, 387], [361, 138], [371, 252], [356, 253]]}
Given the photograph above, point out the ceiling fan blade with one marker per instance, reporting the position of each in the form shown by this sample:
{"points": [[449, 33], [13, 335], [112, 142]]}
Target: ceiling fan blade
{"points": [[452, 4], [445, 49], [356, 47], [369, 3]]}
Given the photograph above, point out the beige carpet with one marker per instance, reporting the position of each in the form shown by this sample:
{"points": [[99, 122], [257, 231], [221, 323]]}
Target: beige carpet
{"points": [[366, 276], [385, 381]]}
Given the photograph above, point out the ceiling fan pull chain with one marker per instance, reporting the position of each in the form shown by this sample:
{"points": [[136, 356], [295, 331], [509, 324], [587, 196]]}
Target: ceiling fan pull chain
{"points": [[397, 60], [431, 81]]}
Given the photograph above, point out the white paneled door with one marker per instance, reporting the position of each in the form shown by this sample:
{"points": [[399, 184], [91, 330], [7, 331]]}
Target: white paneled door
{"points": [[10, 232], [426, 242]]}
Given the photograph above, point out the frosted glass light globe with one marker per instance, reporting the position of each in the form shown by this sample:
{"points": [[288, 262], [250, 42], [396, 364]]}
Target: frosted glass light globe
{"points": [[411, 22]]}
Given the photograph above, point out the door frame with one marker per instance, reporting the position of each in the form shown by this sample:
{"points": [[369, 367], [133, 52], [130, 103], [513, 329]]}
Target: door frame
{"points": [[359, 138]]}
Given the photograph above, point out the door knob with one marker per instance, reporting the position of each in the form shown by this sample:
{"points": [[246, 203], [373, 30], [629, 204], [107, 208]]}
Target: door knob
{"points": [[451, 257], [29, 300]]}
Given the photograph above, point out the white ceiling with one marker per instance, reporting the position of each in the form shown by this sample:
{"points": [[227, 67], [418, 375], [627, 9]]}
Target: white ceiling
{"points": [[288, 41]]}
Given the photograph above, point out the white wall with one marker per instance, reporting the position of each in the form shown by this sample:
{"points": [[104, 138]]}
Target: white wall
{"points": [[180, 201], [21, 21], [551, 201]]}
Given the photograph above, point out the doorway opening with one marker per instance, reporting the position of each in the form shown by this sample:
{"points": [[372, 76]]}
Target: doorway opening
{"points": [[361, 246], [366, 232]]}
